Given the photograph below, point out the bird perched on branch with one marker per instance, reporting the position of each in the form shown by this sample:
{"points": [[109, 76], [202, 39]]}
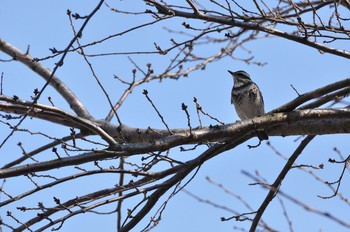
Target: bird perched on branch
{"points": [[247, 99]]}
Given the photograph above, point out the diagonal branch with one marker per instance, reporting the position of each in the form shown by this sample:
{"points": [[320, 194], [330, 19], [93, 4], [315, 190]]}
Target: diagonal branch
{"points": [[189, 167], [193, 6], [255, 26], [45, 73], [313, 94], [324, 214], [275, 186], [53, 114], [77, 201]]}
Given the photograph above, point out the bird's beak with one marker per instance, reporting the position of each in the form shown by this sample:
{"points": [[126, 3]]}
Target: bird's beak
{"points": [[230, 72]]}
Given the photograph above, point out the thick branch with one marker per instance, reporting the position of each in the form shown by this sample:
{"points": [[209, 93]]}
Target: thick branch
{"points": [[53, 114], [124, 133], [303, 122], [45, 73]]}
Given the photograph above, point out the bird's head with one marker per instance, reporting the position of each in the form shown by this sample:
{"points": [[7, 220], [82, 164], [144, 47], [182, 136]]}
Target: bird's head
{"points": [[240, 77]]}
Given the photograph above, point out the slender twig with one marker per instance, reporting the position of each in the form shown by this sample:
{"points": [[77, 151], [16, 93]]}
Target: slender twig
{"points": [[145, 92], [338, 182], [286, 216], [209, 202], [120, 194], [94, 73], [324, 214], [198, 107], [184, 108], [1, 83], [295, 90], [259, 8], [308, 171]]}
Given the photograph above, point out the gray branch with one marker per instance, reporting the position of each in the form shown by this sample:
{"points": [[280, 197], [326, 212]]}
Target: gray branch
{"points": [[45, 73], [300, 122]]}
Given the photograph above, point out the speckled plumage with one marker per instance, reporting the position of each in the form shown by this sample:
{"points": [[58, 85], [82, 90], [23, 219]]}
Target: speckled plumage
{"points": [[247, 99]]}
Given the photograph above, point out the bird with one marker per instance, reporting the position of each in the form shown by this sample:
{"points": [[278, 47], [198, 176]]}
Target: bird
{"points": [[247, 99]]}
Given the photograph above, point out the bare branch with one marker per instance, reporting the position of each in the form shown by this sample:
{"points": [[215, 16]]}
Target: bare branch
{"points": [[163, 9], [307, 207], [275, 186], [296, 122], [196, 11], [148, 164]]}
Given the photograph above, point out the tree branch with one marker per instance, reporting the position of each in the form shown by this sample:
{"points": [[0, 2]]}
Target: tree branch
{"points": [[275, 186], [226, 20], [184, 171], [53, 114], [47, 75], [303, 122]]}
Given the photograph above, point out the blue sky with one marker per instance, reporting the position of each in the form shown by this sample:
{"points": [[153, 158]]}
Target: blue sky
{"points": [[44, 24]]}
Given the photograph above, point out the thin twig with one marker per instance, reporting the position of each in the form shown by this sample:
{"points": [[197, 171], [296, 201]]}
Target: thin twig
{"points": [[184, 108], [145, 92], [1, 83], [93, 72], [338, 182]]}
